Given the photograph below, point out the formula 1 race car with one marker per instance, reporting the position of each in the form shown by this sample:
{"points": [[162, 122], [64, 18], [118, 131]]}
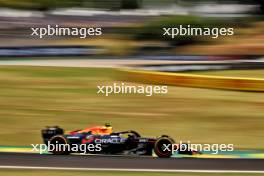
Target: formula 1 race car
{"points": [[102, 140]]}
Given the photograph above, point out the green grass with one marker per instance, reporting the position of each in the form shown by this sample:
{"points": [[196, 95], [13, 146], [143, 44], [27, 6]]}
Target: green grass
{"points": [[234, 73], [34, 97], [102, 173]]}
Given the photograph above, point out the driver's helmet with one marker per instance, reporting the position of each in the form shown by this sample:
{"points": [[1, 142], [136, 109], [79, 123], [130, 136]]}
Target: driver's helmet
{"points": [[106, 129], [99, 130]]}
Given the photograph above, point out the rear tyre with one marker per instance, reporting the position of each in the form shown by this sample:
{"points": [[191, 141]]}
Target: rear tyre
{"points": [[163, 147], [59, 145]]}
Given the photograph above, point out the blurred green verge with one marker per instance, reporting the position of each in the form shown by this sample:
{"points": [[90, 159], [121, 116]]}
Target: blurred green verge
{"points": [[34, 97], [102, 173]]}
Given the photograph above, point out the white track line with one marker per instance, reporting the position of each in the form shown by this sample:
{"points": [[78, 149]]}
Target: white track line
{"points": [[131, 170]]}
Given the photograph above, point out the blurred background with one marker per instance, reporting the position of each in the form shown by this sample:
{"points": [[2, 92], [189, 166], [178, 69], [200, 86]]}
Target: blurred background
{"points": [[64, 91], [134, 27]]}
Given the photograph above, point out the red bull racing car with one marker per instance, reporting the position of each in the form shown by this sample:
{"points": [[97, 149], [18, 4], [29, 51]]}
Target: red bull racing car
{"points": [[102, 140]]}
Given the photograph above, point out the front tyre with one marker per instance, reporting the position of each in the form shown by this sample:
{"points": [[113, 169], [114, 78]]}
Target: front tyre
{"points": [[163, 147]]}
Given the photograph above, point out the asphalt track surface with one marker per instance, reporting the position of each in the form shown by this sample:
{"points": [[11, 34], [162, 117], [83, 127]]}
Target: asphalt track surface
{"points": [[104, 63], [133, 163]]}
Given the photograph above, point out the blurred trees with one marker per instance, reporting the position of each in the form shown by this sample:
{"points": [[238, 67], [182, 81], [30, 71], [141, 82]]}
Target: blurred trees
{"points": [[51, 4], [111, 4], [108, 4], [153, 30], [261, 2], [38, 4]]}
